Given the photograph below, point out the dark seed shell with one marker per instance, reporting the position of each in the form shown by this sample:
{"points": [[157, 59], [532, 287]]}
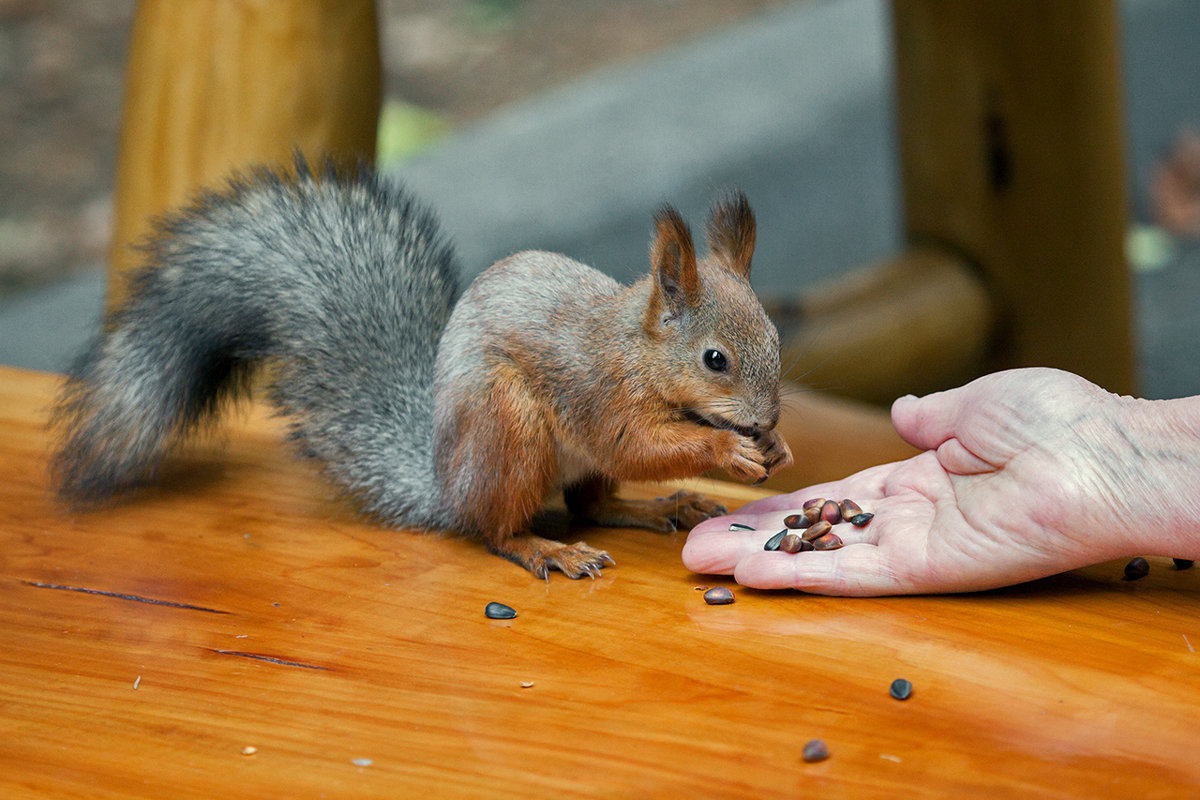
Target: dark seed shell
{"points": [[1137, 568], [791, 543], [900, 689], [495, 610], [1183, 563], [831, 512], [861, 520], [737, 526], [817, 530], [796, 521], [830, 541], [850, 509], [773, 542], [815, 750], [718, 596]]}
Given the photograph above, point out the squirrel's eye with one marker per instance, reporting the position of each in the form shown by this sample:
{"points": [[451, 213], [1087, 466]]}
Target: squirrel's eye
{"points": [[715, 360]]}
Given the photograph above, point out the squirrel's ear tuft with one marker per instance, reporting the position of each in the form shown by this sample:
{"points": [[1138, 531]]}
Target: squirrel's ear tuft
{"points": [[731, 232], [673, 261]]}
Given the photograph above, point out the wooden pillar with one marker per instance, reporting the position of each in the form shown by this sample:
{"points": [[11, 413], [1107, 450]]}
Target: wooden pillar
{"points": [[215, 85], [1010, 131], [916, 323]]}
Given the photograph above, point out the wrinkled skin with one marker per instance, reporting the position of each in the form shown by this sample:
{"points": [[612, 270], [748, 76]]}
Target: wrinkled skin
{"points": [[1026, 473]]}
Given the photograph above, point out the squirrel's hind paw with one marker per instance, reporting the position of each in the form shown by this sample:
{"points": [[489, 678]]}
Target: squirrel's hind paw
{"points": [[539, 556], [682, 510]]}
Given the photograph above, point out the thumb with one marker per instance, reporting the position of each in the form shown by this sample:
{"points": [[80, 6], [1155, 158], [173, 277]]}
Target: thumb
{"points": [[926, 422]]}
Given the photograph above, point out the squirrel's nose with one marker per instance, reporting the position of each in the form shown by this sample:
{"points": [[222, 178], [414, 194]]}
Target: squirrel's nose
{"points": [[766, 424], [760, 429]]}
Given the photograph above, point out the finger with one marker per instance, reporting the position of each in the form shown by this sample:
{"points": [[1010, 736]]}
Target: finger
{"points": [[713, 549], [857, 570], [926, 422], [958, 460]]}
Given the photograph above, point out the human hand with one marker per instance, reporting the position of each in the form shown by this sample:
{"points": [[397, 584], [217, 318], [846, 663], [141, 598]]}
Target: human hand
{"points": [[1026, 473]]}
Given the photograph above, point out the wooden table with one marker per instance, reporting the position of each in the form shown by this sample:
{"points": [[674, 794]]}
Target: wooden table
{"points": [[145, 648]]}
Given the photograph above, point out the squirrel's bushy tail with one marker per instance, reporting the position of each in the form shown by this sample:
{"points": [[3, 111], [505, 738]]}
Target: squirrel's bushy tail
{"points": [[342, 283]]}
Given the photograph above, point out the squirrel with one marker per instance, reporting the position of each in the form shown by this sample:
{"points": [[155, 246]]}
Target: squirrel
{"points": [[434, 408]]}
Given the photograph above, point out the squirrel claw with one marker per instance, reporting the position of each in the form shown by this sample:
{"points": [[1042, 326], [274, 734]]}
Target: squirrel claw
{"points": [[540, 556], [577, 560]]}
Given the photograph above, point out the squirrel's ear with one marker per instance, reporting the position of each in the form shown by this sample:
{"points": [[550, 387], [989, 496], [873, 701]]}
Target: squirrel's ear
{"points": [[673, 261], [731, 232]]}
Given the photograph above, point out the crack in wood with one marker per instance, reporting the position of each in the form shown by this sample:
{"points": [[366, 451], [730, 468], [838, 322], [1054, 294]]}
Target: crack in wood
{"points": [[121, 596], [272, 659]]}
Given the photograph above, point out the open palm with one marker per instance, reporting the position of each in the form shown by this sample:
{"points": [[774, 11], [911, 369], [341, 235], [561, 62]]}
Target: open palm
{"points": [[1011, 487]]}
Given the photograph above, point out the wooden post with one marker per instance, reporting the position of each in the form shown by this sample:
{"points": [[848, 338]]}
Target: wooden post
{"points": [[1011, 148], [216, 85], [917, 323]]}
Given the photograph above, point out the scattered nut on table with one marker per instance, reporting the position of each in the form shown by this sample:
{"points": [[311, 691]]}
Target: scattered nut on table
{"points": [[718, 596], [494, 610], [815, 750], [1136, 569]]}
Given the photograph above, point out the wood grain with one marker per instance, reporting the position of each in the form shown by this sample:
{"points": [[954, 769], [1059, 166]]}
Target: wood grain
{"points": [[280, 622]]}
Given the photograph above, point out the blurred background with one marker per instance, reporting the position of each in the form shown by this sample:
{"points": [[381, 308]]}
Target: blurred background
{"points": [[562, 124]]}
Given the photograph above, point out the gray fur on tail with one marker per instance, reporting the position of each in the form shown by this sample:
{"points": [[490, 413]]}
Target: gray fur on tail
{"points": [[342, 283]]}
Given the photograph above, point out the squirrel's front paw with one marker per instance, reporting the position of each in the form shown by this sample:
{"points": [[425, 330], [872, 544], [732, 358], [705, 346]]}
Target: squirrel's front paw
{"points": [[754, 458], [775, 451], [743, 458]]}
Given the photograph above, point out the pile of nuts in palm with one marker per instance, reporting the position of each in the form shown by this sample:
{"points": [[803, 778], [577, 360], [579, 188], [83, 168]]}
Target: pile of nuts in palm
{"points": [[812, 528]]}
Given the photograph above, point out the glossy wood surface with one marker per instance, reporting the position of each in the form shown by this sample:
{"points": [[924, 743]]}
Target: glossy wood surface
{"points": [[144, 647]]}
